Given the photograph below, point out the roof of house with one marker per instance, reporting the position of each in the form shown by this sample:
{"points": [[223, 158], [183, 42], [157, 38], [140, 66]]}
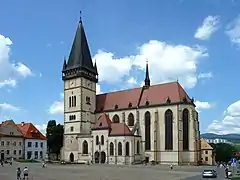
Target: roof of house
{"points": [[29, 131], [11, 127], [115, 129], [153, 95], [205, 145]]}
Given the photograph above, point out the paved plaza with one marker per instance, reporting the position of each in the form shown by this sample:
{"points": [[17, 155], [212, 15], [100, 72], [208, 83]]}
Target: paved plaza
{"points": [[102, 172]]}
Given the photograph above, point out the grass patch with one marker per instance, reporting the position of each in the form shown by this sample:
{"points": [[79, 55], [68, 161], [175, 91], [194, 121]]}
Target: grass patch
{"points": [[26, 161]]}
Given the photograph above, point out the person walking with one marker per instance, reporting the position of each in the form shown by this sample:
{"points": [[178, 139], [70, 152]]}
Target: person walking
{"points": [[226, 172], [18, 173], [25, 173]]}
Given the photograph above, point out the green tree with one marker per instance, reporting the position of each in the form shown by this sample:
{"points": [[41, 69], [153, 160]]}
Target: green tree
{"points": [[55, 137], [224, 152]]}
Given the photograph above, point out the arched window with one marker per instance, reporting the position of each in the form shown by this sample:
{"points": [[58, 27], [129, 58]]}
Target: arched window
{"points": [[127, 148], [185, 129], [85, 147], [147, 131], [168, 130], [70, 101], [111, 149], [116, 119], [102, 140], [120, 149], [97, 140], [130, 120], [138, 147], [74, 101]]}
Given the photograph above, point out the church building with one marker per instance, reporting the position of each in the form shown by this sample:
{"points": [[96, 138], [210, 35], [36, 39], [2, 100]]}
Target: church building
{"points": [[151, 123]]}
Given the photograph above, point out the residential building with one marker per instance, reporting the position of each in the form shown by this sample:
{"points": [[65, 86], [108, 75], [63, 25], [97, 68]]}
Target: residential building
{"points": [[152, 123], [35, 142], [217, 140], [12, 141], [208, 157]]}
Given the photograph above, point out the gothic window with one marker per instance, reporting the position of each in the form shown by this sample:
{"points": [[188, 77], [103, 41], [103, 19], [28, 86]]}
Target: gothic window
{"points": [[138, 147], [168, 130], [71, 129], [111, 149], [130, 120], [74, 101], [102, 140], [72, 117], [127, 148], [185, 129], [88, 100], [85, 147], [116, 119], [147, 131], [97, 140], [120, 149], [70, 101]]}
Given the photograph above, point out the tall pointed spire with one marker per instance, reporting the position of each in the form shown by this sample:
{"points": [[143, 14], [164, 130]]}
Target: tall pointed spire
{"points": [[147, 79], [80, 57]]}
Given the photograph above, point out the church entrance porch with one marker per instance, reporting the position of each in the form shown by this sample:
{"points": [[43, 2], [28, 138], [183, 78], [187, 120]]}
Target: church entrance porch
{"points": [[96, 157], [71, 157], [103, 157]]}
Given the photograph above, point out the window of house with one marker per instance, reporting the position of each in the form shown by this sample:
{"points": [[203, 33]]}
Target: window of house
{"points": [[71, 129], [36, 144], [41, 154], [8, 152], [2, 143], [85, 147], [120, 149], [97, 140], [111, 149], [29, 154], [206, 158], [11, 133], [102, 140], [36, 154], [20, 143], [8, 143], [127, 148], [29, 144], [14, 152], [14, 143], [88, 100], [19, 152], [206, 152], [41, 144]]}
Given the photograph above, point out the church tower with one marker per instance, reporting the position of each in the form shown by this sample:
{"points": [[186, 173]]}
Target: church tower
{"points": [[80, 77]]}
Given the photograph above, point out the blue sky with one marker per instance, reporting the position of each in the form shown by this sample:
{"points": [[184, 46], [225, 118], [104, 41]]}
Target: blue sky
{"points": [[194, 41]]}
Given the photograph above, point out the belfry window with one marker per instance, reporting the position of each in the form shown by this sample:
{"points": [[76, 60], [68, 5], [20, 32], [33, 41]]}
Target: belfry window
{"points": [[72, 101]]}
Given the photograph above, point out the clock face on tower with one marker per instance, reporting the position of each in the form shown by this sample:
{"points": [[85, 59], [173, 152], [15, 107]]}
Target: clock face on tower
{"points": [[72, 83]]}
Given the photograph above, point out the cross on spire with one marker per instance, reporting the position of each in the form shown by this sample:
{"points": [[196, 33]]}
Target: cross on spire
{"points": [[80, 18]]}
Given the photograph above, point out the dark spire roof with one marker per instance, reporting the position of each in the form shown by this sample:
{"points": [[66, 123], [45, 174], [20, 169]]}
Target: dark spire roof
{"points": [[64, 64], [147, 79], [80, 56], [95, 66]]}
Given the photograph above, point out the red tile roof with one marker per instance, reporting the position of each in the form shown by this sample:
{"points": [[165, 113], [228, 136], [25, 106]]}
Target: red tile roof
{"points": [[155, 95], [28, 130], [115, 129], [103, 122]]}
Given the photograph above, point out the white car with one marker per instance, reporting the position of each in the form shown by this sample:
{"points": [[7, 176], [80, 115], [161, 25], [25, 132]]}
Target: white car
{"points": [[209, 173]]}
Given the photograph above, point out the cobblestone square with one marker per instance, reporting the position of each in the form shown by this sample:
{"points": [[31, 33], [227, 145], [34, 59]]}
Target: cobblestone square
{"points": [[100, 172]]}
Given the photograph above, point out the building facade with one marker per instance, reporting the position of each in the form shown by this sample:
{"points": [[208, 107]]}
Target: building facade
{"points": [[35, 143], [151, 123], [12, 141], [207, 155]]}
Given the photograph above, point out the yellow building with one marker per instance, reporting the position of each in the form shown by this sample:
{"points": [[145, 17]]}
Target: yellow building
{"points": [[208, 157]]}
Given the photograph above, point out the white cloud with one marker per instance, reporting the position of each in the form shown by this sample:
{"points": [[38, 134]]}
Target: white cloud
{"points": [[132, 80], [230, 122], [8, 107], [10, 72], [205, 75], [233, 30], [200, 105], [41, 127], [209, 26], [167, 62], [57, 107]]}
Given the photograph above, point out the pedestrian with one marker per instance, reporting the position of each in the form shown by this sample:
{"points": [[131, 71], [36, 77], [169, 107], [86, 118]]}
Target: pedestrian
{"points": [[2, 163], [25, 173], [226, 172], [171, 167], [18, 173]]}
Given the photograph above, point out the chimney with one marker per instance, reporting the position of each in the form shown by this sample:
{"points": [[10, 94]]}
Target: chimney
{"points": [[22, 124]]}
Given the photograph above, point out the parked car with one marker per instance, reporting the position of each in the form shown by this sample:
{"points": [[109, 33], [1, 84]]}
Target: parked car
{"points": [[209, 173]]}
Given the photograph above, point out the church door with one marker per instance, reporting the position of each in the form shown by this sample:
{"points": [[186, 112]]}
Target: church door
{"points": [[103, 157], [71, 157], [96, 157]]}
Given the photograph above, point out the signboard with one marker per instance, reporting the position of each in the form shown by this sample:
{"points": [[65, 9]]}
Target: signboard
{"points": [[233, 160]]}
